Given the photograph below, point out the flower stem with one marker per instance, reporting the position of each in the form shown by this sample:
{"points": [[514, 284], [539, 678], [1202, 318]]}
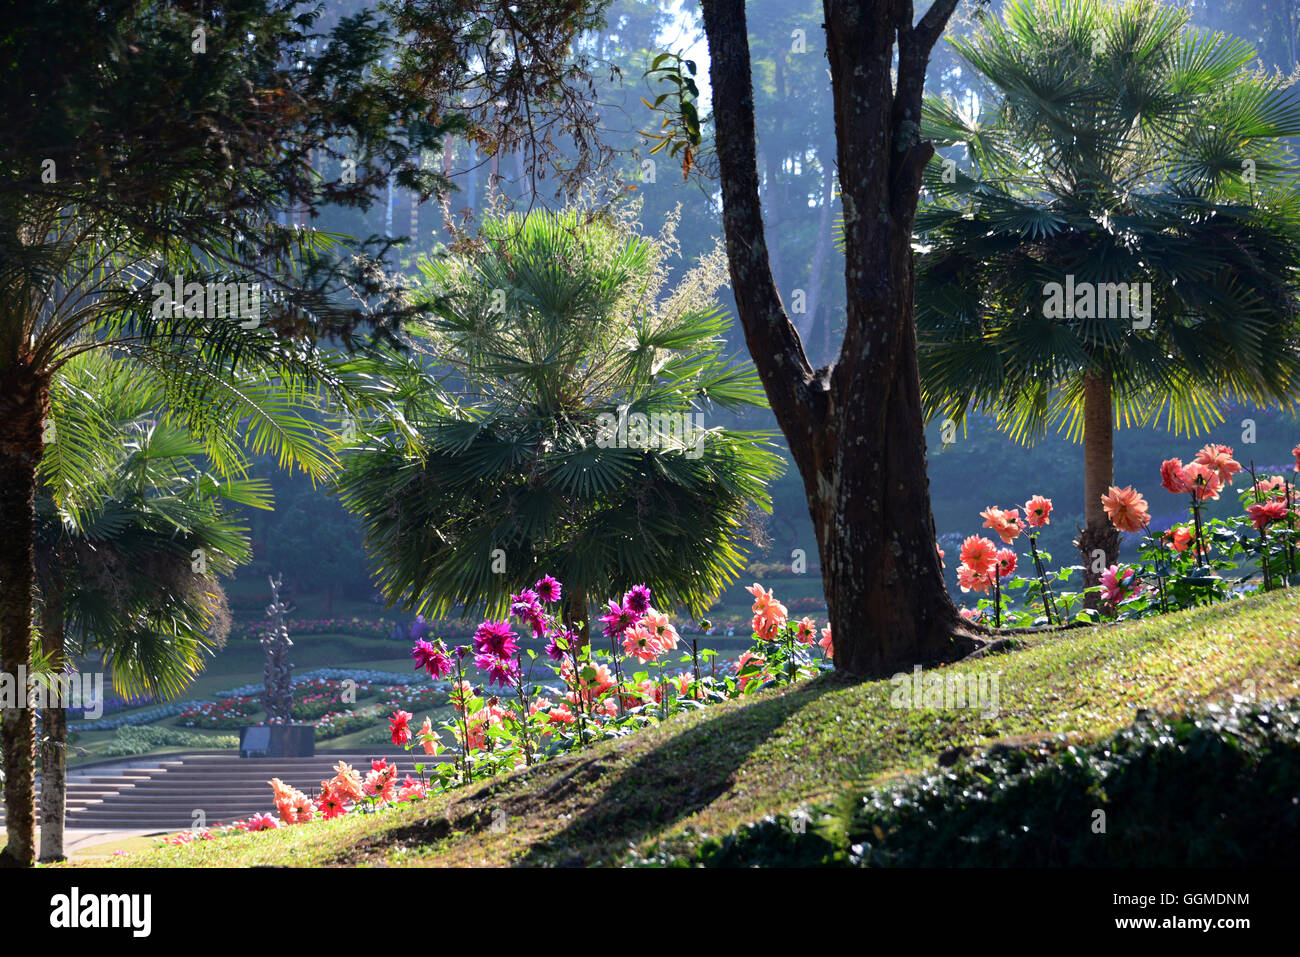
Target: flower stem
{"points": [[464, 720], [618, 676], [523, 716], [1196, 516], [997, 597], [577, 697], [1049, 600], [695, 666]]}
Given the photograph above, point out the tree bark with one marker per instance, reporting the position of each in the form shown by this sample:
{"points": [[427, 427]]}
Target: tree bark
{"points": [[1098, 534], [54, 740], [855, 428], [575, 611], [24, 404]]}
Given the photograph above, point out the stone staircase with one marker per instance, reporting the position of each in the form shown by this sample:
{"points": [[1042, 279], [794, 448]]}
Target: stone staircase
{"points": [[165, 792]]}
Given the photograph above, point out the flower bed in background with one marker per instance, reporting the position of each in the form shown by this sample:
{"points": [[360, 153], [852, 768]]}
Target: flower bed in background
{"points": [[168, 709]]}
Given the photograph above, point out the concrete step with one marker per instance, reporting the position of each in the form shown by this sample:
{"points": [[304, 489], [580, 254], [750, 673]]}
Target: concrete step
{"points": [[163, 795]]}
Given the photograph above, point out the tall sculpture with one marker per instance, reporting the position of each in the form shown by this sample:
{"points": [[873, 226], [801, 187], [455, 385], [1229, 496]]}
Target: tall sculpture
{"points": [[278, 696]]}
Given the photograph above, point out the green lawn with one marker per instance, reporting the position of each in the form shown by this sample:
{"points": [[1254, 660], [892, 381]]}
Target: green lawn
{"points": [[706, 773]]}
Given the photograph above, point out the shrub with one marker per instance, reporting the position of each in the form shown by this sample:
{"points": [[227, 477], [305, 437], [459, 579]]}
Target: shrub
{"points": [[132, 741], [1217, 788]]}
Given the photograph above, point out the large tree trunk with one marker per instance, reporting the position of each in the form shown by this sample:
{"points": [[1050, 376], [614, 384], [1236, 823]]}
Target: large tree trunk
{"points": [[24, 403], [855, 429], [1099, 541], [880, 567], [54, 739]]}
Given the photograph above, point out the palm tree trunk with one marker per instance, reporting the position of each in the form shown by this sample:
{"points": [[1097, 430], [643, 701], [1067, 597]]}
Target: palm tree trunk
{"points": [[576, 611], [1098, 541], [54, 740], [24, 403]]}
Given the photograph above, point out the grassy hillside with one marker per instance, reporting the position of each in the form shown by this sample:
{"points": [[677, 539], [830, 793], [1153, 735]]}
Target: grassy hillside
{"points": [[705, 774]]}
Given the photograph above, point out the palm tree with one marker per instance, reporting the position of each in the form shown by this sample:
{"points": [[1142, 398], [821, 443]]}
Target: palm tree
{"points": [[556, 320], [80, 286], [129, 566], [1119, 155]]}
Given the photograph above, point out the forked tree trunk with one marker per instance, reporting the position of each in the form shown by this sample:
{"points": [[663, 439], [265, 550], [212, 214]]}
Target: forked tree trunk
{"points": [[1099, 540], [54, 739], [855, 428], [24, 403]]}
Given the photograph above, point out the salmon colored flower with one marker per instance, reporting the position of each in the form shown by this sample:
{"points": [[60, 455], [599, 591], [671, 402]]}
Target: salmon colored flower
{"points": [[1219, 458], [592, 689], [304, 809], [765, 629], [1173, 478], [656, 622], [411, 789], [969, 579], [765, 604], [806, 631], [941, 554], [1126, 508], [746, 658], [554, 713], [1006, 563], [1005, 524], [428, 738], [1037, 511], [346, 782], [826, 644], [1296, 452], [1204, 481], [1180, 537], [640, 643], [638, 693], [1270, 487], [292, 805], [977, 553], [970, 614], [1265, 514], [381, 781]]}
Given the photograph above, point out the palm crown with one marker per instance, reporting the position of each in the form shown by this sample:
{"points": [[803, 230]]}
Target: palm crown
{"points": [[129, 551], [556, 322], [1117, 147]]}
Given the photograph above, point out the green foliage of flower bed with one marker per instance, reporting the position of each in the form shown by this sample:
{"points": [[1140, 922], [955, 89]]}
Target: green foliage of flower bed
{"points": [[132, 741], [1217, 788]]}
